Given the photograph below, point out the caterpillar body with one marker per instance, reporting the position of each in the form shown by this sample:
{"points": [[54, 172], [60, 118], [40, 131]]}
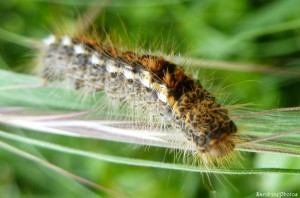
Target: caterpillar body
{"points": [[146, 81]]}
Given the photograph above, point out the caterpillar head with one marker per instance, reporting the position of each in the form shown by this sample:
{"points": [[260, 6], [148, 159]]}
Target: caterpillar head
{"points": [[217, 142]]}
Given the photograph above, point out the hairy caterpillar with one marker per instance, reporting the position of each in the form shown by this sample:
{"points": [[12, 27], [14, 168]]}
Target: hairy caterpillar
{"points": [[236, 118], [144, 81]]}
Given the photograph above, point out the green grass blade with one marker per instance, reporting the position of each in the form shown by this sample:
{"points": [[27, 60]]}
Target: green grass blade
{"points": [[145, 163]]}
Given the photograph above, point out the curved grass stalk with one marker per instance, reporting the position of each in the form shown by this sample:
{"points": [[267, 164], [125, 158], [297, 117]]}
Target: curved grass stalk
{"points": [[19, 40], [110, 130], [146, 163], [196, 62], [280, 138], [233, 66], [57, 169]]}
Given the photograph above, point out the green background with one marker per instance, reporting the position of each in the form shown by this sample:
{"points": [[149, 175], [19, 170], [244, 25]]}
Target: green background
{"points": [[253, 32]]}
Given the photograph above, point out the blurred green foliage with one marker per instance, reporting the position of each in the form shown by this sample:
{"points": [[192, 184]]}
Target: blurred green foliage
{"points": [[257, 31]]}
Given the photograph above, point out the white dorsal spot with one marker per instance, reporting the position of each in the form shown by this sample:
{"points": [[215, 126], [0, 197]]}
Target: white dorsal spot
{"points": [[66, 41], [50, 40], [162, 96], [145, 79], [79, 49], [111, 67], [95, 60], [128, 74]]}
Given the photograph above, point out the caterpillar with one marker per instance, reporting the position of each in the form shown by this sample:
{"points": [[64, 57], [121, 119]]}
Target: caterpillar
{"points": [[144, 81]]}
